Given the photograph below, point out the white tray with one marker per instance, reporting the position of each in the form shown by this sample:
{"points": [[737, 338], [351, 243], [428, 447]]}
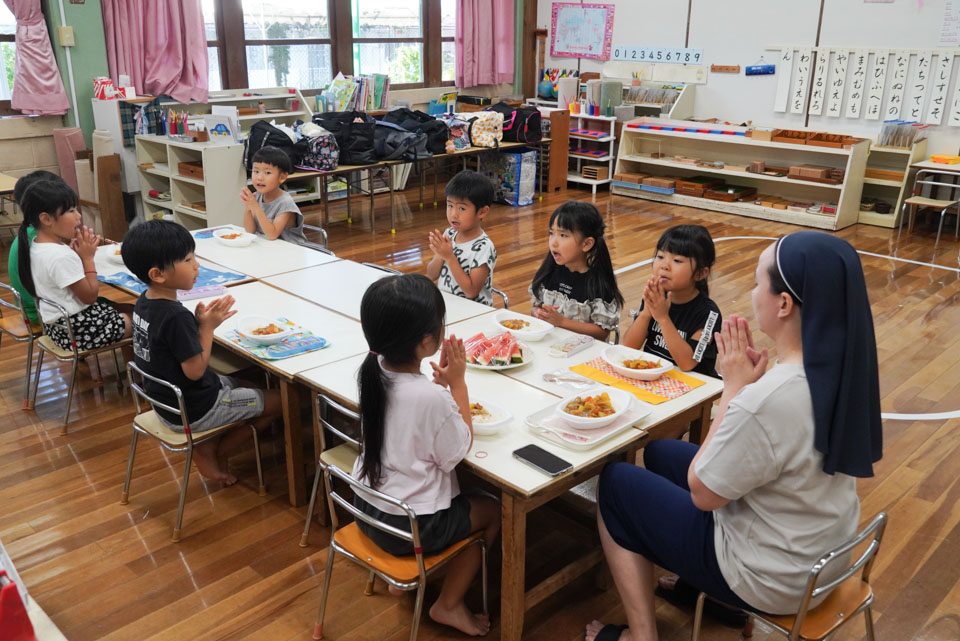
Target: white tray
{"points": [[550, 427]]}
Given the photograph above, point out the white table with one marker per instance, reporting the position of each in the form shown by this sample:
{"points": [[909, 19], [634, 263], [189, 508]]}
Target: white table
{"points": [[345, 337], [262, 257], [340, 286]]}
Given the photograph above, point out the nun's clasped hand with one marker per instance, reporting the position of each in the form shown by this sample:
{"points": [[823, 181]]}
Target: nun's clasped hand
{"points": [[738, 361]]}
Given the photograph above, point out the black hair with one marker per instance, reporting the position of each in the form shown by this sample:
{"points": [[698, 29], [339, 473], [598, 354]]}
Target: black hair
{"points": [[25, 181], [777, 284], [274, 156], [472, 186], [44, 196], [584, 219], [694, 242], [155, 243], [396, 313]]}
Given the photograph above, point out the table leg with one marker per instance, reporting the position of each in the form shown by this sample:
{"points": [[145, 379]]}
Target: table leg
{"points": [[292, 429], [420, 166], [393, 204], [698, 430], [514, 544], [324, 201], [436, 172], [346, 180], [320, 510]]}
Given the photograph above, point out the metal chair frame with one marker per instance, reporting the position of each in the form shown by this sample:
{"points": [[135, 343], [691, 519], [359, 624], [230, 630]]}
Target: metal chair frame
{"points": [[863, 564], [74, 359], [943, 212], [334, 499], [323, 243], [320, 405], [192, 440], [29, 339]]}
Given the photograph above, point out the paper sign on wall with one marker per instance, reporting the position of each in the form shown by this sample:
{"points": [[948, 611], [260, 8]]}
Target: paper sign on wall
{"points": [[918, 85], [838, 79], [897, 85], [941, 80], [858, 83], [798, 94], [581, 30], [783, 82], [876, 81], [819, 94]]}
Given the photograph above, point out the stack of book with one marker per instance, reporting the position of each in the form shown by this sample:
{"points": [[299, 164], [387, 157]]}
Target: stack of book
{"points": [[362, 93]]}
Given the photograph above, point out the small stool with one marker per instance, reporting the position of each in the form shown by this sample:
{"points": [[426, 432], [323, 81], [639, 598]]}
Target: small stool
{"points": [[916, 202]]}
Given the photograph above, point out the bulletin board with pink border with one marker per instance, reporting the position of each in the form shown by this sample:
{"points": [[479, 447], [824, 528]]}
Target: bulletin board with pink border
{"points": [[581, 30]]}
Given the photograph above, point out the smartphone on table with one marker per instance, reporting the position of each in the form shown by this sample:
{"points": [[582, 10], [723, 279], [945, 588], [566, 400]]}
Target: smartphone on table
{"points": [[542, 460]]}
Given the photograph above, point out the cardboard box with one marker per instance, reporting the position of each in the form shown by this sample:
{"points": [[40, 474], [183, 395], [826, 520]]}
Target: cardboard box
{"points": [[192, 169]]}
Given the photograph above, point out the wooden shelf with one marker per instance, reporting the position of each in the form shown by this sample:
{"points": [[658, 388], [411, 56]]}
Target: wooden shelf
{"points": [[725, 172], [577, 178], [738, 140], [187, 179], [897, 159], [883, 182], [604, 139], [603, 158], [268, 115]]}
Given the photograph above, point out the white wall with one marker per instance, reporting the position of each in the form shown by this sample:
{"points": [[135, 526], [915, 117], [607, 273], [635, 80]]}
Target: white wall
{"points": [[737, 32]]}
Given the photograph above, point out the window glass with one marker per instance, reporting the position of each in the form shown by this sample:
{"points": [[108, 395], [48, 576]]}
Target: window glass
{"points": [[387, 19], [285, 19], [214, 82], [300, 66], [8, 24], [209, 19], [449, 61], [7, 56], [403, 61], [448, 18]]}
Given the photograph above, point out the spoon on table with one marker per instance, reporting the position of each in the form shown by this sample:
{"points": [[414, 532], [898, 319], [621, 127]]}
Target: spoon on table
{"points": [[550, 377]]}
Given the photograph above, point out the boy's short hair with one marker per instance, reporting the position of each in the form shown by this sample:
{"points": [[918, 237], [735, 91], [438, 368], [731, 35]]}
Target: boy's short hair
{"points": [[274, 156], [472, 186], [23, 182], [155, 243]]}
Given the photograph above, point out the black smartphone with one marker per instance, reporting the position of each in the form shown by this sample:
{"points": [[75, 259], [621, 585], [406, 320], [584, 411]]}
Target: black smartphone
{"points": [[542, 460]]}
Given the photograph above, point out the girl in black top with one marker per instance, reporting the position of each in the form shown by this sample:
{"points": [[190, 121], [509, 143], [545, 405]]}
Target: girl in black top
{"points": [[677, 318]]}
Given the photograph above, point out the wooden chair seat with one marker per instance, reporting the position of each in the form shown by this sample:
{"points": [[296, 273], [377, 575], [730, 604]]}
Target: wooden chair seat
{"points": [[15, 326], [342, 456], [402, 569], [921, 201], [46, 343], [838, 607], [150, 423]]}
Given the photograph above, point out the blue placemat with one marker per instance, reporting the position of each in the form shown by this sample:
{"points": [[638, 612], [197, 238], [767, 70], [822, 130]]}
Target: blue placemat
{"points": [[206, 276], [208, 233], [300, 342]]}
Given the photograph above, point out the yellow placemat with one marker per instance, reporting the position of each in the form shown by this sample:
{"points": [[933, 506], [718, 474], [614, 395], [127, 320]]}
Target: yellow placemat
{"points": [[669, 386]]}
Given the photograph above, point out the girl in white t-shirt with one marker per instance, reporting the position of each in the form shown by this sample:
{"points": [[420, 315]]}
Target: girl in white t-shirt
{"points": [[413, 434], [58, 265]]}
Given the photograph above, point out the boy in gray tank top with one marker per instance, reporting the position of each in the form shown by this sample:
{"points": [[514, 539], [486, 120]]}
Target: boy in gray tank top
{"points": [[270, 211]]}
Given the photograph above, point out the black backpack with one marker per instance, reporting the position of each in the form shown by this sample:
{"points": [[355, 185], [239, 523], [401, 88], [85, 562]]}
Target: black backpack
{"points": [[393, 142], [437, 131], [520, 124], [355, 139], [263, 134]]}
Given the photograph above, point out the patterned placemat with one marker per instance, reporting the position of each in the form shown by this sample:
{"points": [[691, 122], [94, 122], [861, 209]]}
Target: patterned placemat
{"points": [[208, 233], [301, 341], [206, 276], [669, 386]]}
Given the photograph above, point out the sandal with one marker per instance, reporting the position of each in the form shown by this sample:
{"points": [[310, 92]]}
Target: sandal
{"points": [[683, 595], [607, 633]]}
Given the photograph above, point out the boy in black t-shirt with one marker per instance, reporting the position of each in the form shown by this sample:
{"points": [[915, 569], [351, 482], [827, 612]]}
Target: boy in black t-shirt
{"points": [[174, 345]]}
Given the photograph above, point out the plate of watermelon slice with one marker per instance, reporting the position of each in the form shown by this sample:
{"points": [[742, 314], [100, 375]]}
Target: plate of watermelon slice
{"points": [[498, 352]]}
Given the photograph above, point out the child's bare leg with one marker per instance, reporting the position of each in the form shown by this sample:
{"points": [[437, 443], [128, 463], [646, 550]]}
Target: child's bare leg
{"points": [[449, 608], [205, 456], [235, 440]]}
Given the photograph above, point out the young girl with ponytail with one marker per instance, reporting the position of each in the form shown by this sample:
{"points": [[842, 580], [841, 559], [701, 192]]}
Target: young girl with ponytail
{"points": [[413, 434], [575, 287], [58, 265]]}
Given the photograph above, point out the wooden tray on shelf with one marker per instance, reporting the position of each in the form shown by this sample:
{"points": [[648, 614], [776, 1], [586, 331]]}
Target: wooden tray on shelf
{"points": [[792, 136]]}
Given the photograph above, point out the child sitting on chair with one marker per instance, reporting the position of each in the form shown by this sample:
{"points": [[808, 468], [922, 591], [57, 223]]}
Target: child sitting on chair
{"points": [[269, 210], [174, 345]]}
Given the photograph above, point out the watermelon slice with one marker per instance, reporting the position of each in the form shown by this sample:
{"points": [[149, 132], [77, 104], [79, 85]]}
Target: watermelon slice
{"points": [[516, 354]]}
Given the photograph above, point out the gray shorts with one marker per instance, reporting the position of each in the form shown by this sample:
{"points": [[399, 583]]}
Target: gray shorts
{"points": [[233, 404]]}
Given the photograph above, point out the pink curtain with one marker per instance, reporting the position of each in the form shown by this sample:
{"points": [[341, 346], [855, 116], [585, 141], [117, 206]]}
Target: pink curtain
{"points": [[37, 87], [484, 42], [160, 44]]}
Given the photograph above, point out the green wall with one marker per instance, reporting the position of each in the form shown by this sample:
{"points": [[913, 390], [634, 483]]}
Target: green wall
{"points": [[89, 56]]}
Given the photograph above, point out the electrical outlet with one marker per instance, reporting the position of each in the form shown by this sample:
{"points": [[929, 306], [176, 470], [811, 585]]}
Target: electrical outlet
{"points": [[761, 70], [65, 36]]}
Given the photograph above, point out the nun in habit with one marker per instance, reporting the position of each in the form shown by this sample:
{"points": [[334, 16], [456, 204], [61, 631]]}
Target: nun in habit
{"points": [[745, 515]]}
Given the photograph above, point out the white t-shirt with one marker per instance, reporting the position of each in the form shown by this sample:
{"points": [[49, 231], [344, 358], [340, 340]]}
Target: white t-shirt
{"points": [[471, 254], [55, 267], [784, 510], [424, 439]]}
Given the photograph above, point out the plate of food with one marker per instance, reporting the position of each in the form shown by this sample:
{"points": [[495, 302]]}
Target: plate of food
{"points": [[262, 330], [233, 237], [635, 364], [487, 417], [111, 253], [499, 352], [594, 408], [521, 326]]}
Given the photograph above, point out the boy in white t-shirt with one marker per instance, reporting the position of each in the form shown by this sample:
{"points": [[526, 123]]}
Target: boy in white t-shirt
{"points": [[463, 255]]}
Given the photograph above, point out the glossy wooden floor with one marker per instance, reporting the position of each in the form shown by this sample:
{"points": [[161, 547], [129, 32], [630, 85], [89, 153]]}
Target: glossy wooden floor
{"points": [[107, 571]]}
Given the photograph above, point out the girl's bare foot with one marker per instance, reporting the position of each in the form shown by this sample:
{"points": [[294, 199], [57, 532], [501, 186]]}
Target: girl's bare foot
{"points": [[209, 466], [461, 618]]}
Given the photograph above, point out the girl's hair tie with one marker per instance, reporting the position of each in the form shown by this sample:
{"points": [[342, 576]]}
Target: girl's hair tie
{"points": [[373, 352]]}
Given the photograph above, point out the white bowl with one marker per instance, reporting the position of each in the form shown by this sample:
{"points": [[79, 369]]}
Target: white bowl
{"points": [[535, 332], [498, 418], [111, 253], [616, 354], [242, 240], [246, 325], [618, 398]]}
